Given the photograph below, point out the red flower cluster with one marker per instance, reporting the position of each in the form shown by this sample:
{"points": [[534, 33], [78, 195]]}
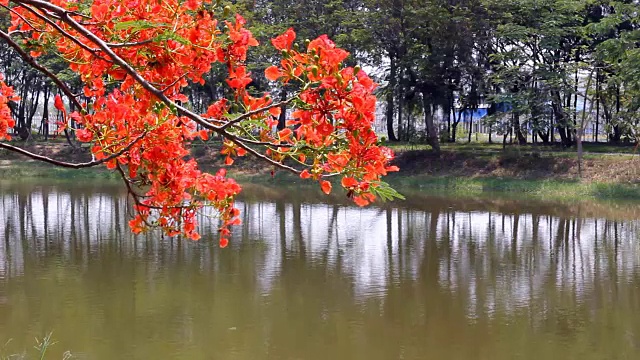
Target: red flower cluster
{"points": [[335, 118], [6, 122], [135, 57]]}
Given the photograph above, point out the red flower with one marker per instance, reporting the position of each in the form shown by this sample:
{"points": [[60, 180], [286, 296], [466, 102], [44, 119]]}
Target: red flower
{"points": [[326, 186], [84, 135], [57, 102], [284, 41], [273, 73]]}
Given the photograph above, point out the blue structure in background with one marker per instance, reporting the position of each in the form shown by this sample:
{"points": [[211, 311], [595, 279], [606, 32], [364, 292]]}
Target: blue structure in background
{"points": [[477, 114], [482, 112]]}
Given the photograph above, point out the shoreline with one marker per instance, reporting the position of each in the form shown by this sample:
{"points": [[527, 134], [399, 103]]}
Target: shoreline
{"points": [[464, 170], [548, 189]]}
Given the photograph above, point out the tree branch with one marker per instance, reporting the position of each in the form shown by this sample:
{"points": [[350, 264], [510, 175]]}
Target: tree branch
{"points": [[65, 17], [21, 18], [67, 164], [31, 61], [63, 32]]}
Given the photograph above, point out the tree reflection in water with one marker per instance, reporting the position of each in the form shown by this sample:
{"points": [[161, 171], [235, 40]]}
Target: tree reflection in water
{"points": [[449, 278]]}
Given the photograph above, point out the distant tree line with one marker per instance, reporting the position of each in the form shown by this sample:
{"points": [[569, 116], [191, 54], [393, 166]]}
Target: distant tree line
{"points": [[543, 69]]}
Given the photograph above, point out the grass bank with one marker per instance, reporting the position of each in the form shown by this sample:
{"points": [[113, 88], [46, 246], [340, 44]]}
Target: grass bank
{"points": [[461, 170], [21, 170], [589, 148], [543, 189], [516, 188], [557, 189]]}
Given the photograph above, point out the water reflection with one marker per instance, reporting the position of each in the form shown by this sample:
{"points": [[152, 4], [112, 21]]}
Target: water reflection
{"points": [[436, 278]]}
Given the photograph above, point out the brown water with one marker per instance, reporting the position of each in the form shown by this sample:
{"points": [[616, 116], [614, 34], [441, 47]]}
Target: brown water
{"points": [[431, 278]]}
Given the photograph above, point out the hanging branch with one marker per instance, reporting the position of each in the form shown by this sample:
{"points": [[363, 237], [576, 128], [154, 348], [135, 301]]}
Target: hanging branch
{"points": [[68, 164]]}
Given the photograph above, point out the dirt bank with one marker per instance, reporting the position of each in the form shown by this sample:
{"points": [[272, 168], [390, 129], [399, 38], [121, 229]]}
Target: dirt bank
{"points": [[559, 166], [622, 169]]}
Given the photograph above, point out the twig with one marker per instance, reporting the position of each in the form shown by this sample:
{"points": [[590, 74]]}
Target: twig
{"points": [[253, 152], [129, 44], [256, 112], [136, 196], [174, 82]]}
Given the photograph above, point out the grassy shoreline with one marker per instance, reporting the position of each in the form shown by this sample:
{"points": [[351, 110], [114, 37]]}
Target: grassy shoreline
{"points": [[542, 189], [16, 170]]}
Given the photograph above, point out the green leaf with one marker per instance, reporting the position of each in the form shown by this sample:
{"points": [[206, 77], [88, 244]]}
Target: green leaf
{"points": [[168, 35], [385, 192], [137, 25]]}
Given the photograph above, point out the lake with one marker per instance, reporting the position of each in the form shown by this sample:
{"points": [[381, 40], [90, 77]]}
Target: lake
{"points": [[314, 277]]}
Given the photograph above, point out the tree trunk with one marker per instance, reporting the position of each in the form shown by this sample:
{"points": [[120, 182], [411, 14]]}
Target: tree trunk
{"points": [[561, 119], [401, 132], [552, 136], [617, 133], [45, 115], [544, 136], [470, 126], [522, 140], [432, 135], [597, 104], [490, 140], [35, 96], [454, 126], [448, 107], [613, 137], [282, 119], [392, 85], [580, 128], [20, 120]]}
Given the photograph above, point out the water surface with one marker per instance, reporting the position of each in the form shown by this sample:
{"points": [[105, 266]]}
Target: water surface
{"points": [[311, 277]]}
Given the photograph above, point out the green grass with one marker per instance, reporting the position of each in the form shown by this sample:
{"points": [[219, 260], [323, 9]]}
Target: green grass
{"points": [[544, 189], [518, 188], [496, 147], [539, 188], [32, 169], [41, 347]]}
